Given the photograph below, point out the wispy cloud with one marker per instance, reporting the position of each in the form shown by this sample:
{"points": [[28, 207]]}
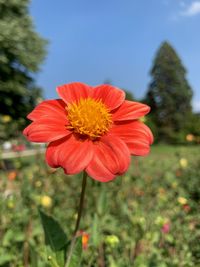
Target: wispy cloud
{"points": [[192, 10]]}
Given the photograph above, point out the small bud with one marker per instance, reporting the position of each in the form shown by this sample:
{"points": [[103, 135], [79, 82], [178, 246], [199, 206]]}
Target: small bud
{"points": [[112, 240], [46, 201], [183, 163]]}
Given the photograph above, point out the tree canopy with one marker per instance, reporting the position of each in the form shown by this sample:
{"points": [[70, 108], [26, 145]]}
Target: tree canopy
{"points": [[21, 52], [169, 93]]}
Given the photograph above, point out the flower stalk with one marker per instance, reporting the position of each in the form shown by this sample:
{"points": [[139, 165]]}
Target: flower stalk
{"points": [[80, 209]]}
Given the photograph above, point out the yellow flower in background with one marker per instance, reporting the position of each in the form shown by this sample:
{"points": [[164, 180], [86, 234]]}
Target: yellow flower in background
{"points": [[190, 137], [6, 118], [112, 240], [143, 119], [46, 201], [159, 220], [75, 216], [174, 185], [183, 162], [38, 183], [182, 200], [11, 204]]}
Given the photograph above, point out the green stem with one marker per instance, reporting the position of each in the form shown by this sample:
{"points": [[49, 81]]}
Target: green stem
{"points": [[80, 209]]}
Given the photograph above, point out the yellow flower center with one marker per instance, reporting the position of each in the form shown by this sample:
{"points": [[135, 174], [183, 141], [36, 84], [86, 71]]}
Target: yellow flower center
{"points": [[89, 117]]}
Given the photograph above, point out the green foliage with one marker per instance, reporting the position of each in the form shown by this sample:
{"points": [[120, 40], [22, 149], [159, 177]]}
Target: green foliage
{"points": [[124, 218], [129, 95], [56, 242], [21, 52], [169, 95], [55, 237], [77, 252], [193, 124]]}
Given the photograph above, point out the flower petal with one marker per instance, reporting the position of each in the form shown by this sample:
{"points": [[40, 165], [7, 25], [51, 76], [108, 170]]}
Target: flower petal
{"points": [[130, 110], [70, 153], [74, 91], [49, 108], [136, 135], [111, 158], [120, 150], [111, 96], [138, 147], [98, 169], [46, 130]]}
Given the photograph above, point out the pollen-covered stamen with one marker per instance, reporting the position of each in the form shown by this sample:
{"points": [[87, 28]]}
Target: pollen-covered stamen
{"points": [[89, 117]]}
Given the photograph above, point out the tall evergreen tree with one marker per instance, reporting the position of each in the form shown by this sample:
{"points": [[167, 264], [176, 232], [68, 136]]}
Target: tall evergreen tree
{"points": [[21, 52], [169, 94]]}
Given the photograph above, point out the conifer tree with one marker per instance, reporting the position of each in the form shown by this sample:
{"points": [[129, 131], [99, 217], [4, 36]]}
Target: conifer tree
{"points": [[169, 94]]}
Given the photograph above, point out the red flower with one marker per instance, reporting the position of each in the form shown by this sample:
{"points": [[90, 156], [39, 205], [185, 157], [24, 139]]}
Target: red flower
{"points": [[186, 208], [19, 148], [166, 228], [90, 128]]}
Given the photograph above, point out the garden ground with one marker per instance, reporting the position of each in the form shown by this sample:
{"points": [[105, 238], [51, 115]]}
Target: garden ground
{"points": [[146, 218]]}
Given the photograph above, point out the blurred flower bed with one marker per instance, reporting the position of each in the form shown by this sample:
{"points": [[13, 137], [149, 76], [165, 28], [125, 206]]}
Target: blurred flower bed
{"points": [[147, 218]]}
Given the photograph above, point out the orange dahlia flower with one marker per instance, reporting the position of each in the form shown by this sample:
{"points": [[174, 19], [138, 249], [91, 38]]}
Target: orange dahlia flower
{"points": [[92, 129]]}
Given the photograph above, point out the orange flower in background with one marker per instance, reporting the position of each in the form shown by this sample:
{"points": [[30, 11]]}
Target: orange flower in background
{"points": [[85, 238], [90, 128], [12, 175], [190, 137]]}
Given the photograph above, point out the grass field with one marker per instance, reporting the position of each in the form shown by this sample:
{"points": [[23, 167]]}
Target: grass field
{"points": [[147, 218]]}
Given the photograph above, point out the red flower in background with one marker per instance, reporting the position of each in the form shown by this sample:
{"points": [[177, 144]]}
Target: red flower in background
{"points": [[166, 228], [90, 128], [186, 208], [19, 148]]}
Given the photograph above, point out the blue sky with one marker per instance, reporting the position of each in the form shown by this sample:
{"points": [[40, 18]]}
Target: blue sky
{"points": [[93, 41]]}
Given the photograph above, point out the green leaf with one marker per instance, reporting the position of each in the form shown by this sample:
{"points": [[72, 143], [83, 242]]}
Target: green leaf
{"points": [[61, 256], [102, 201], [33, 257], [77, 252], [95, 232], [12, 235], [55, 237], [5, 258], [8, 236]]}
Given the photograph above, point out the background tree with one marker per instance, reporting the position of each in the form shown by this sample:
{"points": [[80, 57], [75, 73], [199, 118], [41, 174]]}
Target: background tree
{"points": [[169, 95], [21, 52], [129, 95]]}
